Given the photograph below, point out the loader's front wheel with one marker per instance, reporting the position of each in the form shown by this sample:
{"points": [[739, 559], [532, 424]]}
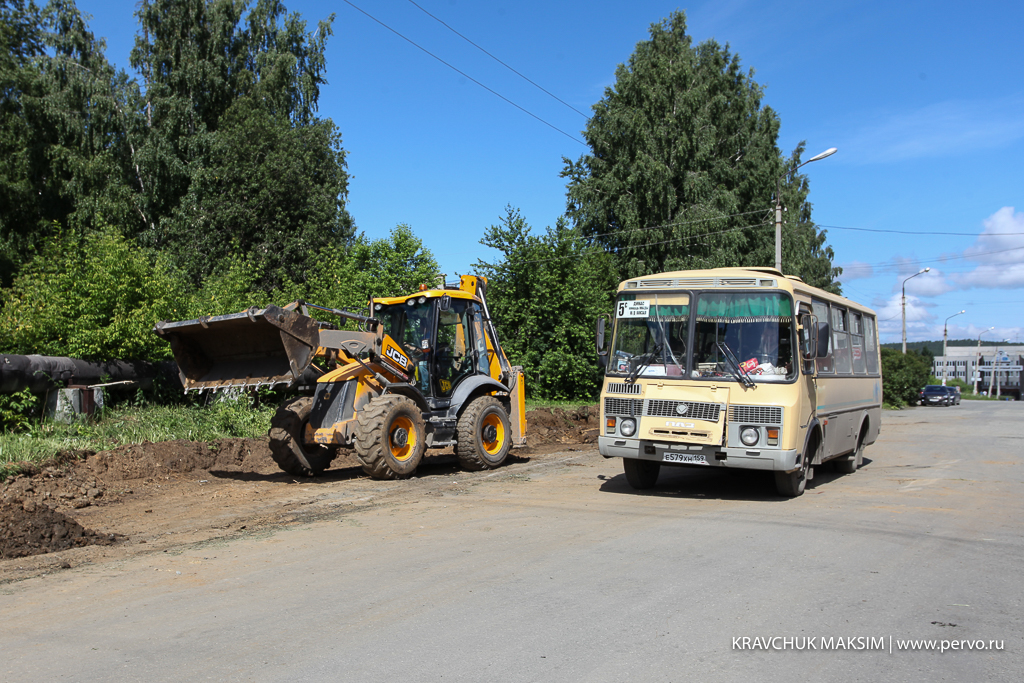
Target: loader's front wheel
{"points": [[390, 437], [287, 433], [484, 435]]}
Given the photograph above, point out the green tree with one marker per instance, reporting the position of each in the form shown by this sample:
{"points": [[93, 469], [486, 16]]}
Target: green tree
{"points": [[389, 266], [683, 163], [63, 112], [233, 152], [268, 189], [544, 295]]}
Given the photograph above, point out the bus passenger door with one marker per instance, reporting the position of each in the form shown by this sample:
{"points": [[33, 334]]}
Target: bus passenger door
{"points": [[807, 407]]}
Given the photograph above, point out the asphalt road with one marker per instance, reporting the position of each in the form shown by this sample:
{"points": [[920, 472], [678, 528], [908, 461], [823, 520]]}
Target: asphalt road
{"points": [[557, 571]]}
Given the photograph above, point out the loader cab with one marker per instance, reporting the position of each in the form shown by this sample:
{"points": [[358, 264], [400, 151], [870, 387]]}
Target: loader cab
{"points": [[443, 335]]}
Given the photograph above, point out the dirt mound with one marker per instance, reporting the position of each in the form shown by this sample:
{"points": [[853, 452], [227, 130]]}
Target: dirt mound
{"points": [[36, 506], [78, 479], [29, 529], [555, 425]]}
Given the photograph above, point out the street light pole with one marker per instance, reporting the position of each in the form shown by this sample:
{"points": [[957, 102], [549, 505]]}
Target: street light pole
{"points": [[977, 362], [778, 204], [904, 306], [994, 377], [945, 329]]}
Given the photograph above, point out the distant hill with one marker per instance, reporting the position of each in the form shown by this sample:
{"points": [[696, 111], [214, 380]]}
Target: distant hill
{"points": [[935, 347]]}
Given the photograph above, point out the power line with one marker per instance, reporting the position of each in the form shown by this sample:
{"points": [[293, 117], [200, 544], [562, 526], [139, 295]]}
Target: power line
{"points": [[655, 227], [651, 244], [498, 60], [464, 74], [928, 260], [924, 233]]}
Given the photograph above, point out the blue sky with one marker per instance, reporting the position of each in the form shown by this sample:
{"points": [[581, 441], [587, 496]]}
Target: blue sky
{"points": [[925, 101]]}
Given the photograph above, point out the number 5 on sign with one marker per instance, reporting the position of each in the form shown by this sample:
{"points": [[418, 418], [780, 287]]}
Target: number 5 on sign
{"points": [[634, 309]]}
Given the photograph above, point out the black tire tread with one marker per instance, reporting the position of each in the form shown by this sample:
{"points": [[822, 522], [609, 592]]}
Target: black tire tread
{"points": [[286, 446], [641, 474], [466, 447], [369, 435], [793, 484]]}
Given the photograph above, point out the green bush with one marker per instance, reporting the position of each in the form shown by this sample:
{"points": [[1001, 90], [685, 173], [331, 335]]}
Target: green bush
{"points": [[18, 410], [903, 376], [92, 296]]}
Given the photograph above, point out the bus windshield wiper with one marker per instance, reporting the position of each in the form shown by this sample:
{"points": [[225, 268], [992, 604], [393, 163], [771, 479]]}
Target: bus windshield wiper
{"points": [[642, 361], [734, 366], [666, 355]]}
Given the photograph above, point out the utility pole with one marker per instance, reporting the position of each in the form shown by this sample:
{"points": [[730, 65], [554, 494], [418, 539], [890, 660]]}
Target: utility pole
{"points": [[778, 204], [977, 362]]}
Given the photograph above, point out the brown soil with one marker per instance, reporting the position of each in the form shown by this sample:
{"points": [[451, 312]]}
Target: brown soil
{"points": [[141, 493]]}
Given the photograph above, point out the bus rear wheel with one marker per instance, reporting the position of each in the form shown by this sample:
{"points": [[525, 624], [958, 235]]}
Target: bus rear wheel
{"points": [[848, 464]]}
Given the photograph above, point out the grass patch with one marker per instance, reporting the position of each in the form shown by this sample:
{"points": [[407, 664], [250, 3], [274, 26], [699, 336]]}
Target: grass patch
{"points": [[535, 404], [222, 419]]}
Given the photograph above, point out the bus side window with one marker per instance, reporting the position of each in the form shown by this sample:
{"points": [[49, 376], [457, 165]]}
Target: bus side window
{"points": [[857, 343], [821, 312], [841, 339], [870, 345]]}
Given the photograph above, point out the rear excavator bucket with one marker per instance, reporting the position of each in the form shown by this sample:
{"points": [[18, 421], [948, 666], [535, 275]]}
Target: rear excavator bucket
{"points": [[259, 347]]}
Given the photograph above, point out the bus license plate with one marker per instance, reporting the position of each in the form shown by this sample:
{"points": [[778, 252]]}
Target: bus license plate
{"points": [[686, 458]]}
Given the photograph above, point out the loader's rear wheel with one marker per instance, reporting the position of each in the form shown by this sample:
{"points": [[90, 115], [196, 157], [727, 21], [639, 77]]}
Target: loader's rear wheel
{"points": [[287, 432], [390, 437], [484, 435]]}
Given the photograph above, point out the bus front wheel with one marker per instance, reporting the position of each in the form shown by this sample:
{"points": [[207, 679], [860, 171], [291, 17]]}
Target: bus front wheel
{"points": [[792, 484], [641, 474]]}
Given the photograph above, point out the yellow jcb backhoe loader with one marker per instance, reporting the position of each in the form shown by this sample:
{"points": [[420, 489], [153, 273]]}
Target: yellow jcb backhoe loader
{"points": [[425, 370]]}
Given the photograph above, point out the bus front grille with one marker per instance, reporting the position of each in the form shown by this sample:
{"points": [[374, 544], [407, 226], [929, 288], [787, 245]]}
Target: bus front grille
{"points": [[623, 406], [763, 415], [691, 409]]}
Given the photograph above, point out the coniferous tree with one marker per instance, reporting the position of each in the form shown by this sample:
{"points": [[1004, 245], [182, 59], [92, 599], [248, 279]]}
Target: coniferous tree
{"points": [[683, 164]]}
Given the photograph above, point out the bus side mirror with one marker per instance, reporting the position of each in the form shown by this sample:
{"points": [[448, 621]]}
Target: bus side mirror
{"points": [[824, 335], [599, 341], [808, 337]]}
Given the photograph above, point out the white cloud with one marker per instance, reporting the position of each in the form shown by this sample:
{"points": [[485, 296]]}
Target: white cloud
{"points": [[856, 270], [932, 283], [937, 130], [890, 318], [999, 250]]}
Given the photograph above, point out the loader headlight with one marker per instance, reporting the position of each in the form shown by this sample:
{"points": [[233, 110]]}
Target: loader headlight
{"points": [[749, 435], [628, 426], [422, 299]]}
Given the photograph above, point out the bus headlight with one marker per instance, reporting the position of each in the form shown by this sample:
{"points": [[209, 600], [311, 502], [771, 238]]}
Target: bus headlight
{"points": [[628, 427], [749, 435]]}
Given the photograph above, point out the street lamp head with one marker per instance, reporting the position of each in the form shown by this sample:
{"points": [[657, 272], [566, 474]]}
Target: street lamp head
{"points": [[827, 153], [925, 270]]}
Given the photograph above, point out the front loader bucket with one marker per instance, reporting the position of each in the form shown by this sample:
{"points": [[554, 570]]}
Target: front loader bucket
{"points": [[260, 347]]}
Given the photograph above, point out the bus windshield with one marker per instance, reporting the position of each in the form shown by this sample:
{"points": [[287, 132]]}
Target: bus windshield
{"points": [[756, 327], [652, 337]]}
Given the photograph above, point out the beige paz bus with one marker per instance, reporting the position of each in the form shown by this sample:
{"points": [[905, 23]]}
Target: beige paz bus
{"points": [[745, 368]]}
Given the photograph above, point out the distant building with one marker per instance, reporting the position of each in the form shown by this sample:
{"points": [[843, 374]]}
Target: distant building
{"points": [[971, 363]]}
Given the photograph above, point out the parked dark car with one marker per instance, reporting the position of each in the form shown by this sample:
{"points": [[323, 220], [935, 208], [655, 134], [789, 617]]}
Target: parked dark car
{"points": [[955, 394], [936, 395]]}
